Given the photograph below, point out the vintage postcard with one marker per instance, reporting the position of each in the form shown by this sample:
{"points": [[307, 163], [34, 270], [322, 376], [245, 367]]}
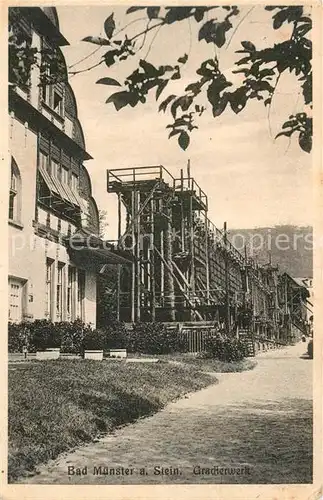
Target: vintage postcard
{"points": [[161, 200]]}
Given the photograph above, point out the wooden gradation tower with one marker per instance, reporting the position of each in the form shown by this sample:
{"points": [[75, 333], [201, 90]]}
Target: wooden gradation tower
{"points": [[183, 268]]}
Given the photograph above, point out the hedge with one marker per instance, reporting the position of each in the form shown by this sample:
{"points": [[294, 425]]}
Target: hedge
{"points": [[224, 348], [146, 338]]}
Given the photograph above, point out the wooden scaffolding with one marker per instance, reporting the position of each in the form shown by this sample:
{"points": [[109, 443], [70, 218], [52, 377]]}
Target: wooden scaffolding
{"points": [[183, 267]]}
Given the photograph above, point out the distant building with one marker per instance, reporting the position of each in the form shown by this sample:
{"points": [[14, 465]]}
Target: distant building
{"points": [[294, 302], [55, 253]]}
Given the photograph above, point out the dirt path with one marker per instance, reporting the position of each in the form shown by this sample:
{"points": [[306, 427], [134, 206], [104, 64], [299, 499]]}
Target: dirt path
{"points": [[258, 422]]}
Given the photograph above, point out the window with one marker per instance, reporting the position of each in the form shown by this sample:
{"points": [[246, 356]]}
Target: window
{"points": [[71, 284], [55, 169], [80, 293], [15, 300], [43, 160], [53, 98], [57, 103], [60, 291], [75, 182], [65, 175], [14, 193], [49, 287]]}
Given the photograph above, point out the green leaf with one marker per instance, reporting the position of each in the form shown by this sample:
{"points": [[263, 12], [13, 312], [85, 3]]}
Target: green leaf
{"points": [[164, 104], [238, 100], [248, 46], [183, 59], [110, 56], [177, 14], [219, 36], [184, 140], [109, 81], [305, 142], [148, 68], [134, 9], [199, 14], [289, 123], [194, 87], [280, 18], [153, 12], [97, 40], [161, 87], [109, 26], [183, 102], [206, 32], [220, 106], [119, 99], [174, 132], [286, 133]]}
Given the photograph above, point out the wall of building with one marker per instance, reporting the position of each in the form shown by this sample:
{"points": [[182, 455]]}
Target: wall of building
{"points": [[31, 241]]}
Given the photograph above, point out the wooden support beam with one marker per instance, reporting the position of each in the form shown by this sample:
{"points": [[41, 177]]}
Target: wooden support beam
{"points": [[180, 286], [133, 267], [152, 264]]}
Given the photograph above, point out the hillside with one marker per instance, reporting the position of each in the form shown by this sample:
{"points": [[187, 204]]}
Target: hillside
{"points": [[290, 247]]}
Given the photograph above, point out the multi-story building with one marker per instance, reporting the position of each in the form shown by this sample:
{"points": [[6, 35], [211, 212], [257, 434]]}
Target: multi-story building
{"points": [[55, 253]]}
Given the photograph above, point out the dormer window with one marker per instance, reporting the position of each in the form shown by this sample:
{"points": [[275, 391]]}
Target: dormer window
{"points": [[57, 103], [53, 98]]}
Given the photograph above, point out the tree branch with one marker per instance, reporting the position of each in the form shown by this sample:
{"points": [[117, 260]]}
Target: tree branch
{"points": [[152, 41], [86, 57], [73, 73], [238, 25]]}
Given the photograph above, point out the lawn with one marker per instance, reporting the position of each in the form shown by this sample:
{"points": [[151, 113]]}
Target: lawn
{"points": [[56, 406], [211, 365]]}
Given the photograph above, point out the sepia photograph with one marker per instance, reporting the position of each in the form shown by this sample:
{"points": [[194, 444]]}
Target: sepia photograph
{"points": [[160, 245]]}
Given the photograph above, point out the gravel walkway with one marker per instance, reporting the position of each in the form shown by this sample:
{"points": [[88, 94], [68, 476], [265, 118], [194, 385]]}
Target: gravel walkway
{"points": [[252, 427]]}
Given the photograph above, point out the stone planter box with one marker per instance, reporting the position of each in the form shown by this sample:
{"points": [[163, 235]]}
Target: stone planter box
{"points": [[118, 353], [93, 354], [50, 353]]}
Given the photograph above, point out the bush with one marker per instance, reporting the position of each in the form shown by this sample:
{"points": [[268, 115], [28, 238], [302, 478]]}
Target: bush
{"points": [[45, 334], [116, 335], [224, 348], [94, 340], [154, 338], [18, 336], [72, 335]]}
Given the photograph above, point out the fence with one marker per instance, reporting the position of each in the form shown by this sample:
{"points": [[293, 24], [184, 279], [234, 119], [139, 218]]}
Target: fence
{"points": [[195, 338]]}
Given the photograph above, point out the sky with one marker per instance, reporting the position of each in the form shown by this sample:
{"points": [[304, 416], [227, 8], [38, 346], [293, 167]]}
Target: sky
{"points": [[251, 179]]}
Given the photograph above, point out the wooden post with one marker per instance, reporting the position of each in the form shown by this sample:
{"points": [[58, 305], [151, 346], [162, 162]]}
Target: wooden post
{"points": [[133, 273], [169, 279], [152, 264], [119, 218], [192, 266], [118, 291], [162, 274], [207, 270], [227, 291], [138, 258], [182, 215]]}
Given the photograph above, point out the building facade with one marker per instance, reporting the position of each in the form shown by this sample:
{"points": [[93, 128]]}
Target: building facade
{"points": [[50, 194]]}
